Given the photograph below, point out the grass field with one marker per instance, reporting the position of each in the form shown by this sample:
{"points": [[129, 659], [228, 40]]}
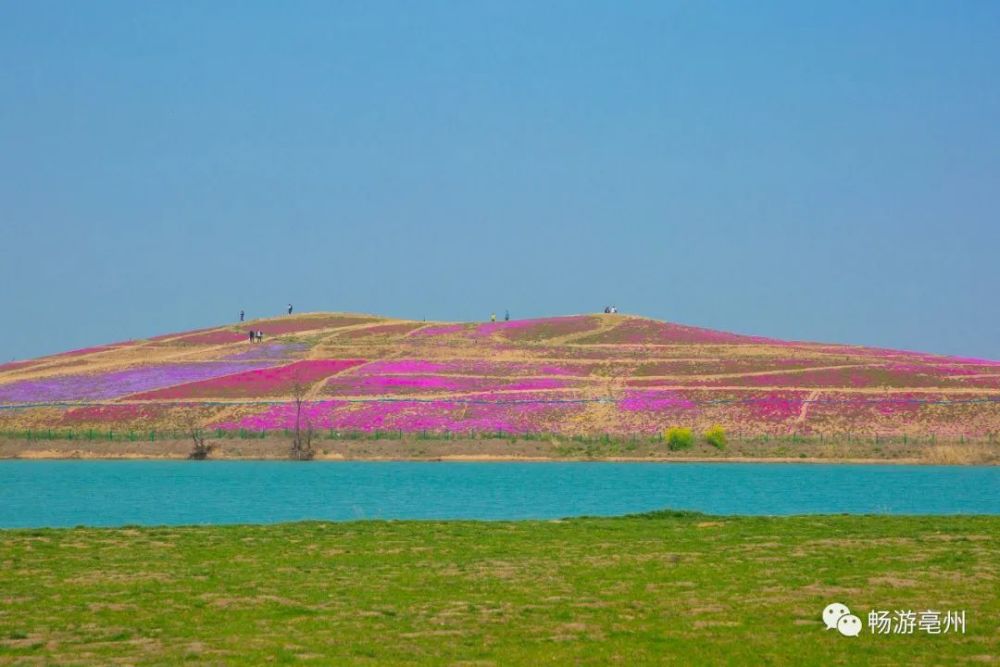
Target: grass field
{"points": [[682, 588]]}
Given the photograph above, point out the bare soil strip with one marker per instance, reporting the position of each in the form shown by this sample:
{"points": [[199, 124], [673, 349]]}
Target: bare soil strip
{"points": [[495, 449]]}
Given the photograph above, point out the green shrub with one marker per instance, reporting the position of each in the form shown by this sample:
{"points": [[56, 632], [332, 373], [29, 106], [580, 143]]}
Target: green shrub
{"points": [[678, 438], [716, 436]]}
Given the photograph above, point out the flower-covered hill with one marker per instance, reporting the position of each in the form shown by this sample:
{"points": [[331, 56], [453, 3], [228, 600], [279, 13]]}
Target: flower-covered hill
{"points": [[577, 375]]}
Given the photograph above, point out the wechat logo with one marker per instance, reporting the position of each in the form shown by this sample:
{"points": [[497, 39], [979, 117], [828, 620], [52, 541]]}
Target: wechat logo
{"points": [[838, 617]]}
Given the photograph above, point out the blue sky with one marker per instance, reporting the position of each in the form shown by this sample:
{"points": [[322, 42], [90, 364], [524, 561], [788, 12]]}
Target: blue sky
{"points": [[824, 171]]}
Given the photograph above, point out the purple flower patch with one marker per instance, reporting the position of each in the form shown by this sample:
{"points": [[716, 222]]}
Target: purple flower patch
{"points": [[278, 351], [118, 383]]}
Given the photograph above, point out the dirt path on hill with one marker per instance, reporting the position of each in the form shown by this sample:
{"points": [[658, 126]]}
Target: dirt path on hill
{"points": [[804, 411]]}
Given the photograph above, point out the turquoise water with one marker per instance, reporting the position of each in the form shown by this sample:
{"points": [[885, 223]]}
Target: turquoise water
{"points": [[114, 493]]}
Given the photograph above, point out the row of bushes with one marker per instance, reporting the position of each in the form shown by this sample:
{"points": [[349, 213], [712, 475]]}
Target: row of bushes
{"points": [[679, 438], [716, 436]]}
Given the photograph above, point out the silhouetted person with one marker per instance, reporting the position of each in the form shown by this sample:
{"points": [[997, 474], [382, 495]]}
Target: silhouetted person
{"points": [[253, 336], [289, 309], [241, 316], [506, 316]]}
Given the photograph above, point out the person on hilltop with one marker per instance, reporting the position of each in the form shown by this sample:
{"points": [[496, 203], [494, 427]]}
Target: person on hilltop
{"points": [[493, 317], [253, 336], [289, 309], [241, 316], [506, 316]]}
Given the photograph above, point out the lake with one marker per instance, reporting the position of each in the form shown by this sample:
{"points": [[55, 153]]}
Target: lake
{"points": [[115, 493]]}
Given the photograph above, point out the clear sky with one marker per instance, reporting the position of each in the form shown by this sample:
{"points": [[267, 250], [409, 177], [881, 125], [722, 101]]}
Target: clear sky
{"points": [[807, 170]]}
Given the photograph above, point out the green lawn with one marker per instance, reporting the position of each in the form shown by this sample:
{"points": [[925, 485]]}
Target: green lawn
{"points": [[689, 589]]}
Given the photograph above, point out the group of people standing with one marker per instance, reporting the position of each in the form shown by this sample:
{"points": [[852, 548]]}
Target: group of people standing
{"points": [[258, 335], [610, 309], [506, 316]]}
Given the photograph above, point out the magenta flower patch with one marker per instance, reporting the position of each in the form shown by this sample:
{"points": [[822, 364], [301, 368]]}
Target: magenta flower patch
{"points": [[539, 329], [655, 401], [640, 331], [775, 407]]}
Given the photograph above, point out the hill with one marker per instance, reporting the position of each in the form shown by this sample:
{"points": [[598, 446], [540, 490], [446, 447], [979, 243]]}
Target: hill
{"points": [[577, 375]]}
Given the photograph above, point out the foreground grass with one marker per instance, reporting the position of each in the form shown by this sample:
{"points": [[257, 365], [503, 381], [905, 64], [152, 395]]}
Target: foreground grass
{"points": [[682, 588]]}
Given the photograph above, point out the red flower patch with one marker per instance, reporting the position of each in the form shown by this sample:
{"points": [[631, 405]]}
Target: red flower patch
{"points": [[264, 382]]}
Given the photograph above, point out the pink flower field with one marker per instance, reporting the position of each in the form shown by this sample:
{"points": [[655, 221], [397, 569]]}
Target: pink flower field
{"points": [[655, 401], [577, 375], [394, 385], [438, 416], [539, 330], [638, 331]]}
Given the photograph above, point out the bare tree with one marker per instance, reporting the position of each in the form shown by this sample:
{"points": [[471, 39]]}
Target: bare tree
{"points": [[302, 448], [202, 448]]}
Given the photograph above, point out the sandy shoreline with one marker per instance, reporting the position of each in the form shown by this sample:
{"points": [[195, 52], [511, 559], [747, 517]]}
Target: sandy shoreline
{"points": [[487, 450]]}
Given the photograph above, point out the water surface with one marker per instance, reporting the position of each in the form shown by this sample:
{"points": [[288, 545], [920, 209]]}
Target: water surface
{"points": [[114, 493]]}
